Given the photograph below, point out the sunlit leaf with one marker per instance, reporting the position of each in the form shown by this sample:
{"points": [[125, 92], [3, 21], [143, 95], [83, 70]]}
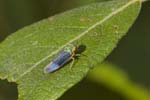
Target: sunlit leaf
{"points": [[98, 26]]}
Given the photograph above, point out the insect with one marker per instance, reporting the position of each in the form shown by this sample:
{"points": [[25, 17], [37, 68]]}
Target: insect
{"points": [[69, 53]]}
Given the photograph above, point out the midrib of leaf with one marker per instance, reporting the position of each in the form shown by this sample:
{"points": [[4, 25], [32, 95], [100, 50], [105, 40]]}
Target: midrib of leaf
{"points": [[79, 36]]}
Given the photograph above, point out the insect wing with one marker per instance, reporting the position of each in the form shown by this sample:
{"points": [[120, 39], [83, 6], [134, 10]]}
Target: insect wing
{"points": [[51, 67], [63, 58]]}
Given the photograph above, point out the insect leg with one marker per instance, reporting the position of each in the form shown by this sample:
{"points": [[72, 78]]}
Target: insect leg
{"points": [[77, 55], [73, 59]]}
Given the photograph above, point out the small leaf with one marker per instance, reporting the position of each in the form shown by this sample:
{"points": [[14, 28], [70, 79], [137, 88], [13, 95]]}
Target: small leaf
{"points": [[98, 26]]}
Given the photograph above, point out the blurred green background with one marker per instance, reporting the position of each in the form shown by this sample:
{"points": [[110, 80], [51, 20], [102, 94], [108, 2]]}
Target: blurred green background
{"points": [[131, 56]]}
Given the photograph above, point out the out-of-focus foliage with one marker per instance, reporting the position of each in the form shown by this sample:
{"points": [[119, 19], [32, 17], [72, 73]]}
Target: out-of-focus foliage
{"points": [[119, 81], [8, 91]]}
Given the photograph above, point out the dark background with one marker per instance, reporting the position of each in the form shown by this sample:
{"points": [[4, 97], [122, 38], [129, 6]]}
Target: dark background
{"points": [[132, 54]]}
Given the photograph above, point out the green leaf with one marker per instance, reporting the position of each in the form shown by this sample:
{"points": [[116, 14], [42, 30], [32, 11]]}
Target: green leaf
{"points": [[98, 26], [117, 80]]}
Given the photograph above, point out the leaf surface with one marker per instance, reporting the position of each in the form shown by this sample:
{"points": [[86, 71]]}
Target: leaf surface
{"points": [[98, 26]]}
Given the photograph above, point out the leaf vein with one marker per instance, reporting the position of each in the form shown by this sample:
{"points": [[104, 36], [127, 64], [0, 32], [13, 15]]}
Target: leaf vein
{"points": [[79, 36]]}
